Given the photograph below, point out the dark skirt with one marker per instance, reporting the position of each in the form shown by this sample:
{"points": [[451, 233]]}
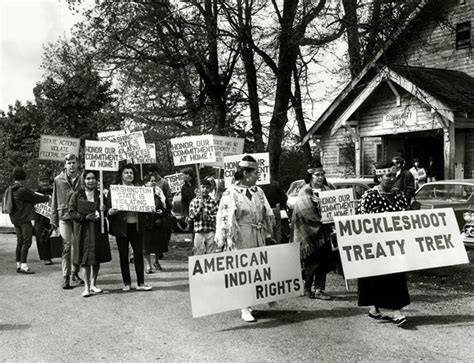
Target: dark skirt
{"points": [[155, 240], [384, 291]]}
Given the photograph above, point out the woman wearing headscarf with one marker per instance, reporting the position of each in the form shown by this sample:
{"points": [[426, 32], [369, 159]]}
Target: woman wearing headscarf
{"points": [[384, 291], [91, 246], [312, 234], [244, 219]]}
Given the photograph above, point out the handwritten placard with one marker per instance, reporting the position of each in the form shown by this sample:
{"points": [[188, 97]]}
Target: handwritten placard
{"points": [[132, 198], [101, 155], [57, 147], [193, 150], [232, 162], [175, 181]]}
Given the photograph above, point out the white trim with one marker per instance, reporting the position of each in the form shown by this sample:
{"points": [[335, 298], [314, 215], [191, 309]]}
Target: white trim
{"points": [[386, 73]]}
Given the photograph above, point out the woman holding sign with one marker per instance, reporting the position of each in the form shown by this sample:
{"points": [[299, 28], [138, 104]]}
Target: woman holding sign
{"points": [[244, 219], [384, 291], [128, 228], [312, 234], [91, 247]]}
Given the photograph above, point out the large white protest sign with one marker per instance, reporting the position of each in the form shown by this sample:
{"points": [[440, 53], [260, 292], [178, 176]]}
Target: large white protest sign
{"points": [[43, 209], [378, 244], [56, 147], [336, 203], [175, 181], [101, 155], [226, 146], [132, 198], [231, 280], [145, 156], [193, 150], [131, 143], [232, 162]]}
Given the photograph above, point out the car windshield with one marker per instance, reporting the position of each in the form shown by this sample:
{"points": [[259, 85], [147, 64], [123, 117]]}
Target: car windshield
{"points": [[295, 188], [448, 192]]}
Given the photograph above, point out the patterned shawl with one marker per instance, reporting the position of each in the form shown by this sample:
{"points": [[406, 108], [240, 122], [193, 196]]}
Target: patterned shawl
{"points": [[306, 223]]}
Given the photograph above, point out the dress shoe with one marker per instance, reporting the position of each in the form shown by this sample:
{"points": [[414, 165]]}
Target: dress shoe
{"points": [[144, 288], [75, 278], [26, 271], [247, 316], [376, 316], [66, 283], [321, 295]]}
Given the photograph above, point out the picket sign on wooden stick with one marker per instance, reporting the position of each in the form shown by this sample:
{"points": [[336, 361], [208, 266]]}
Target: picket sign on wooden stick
{"points": [[102, 220], [141, 172], [198, 178]]}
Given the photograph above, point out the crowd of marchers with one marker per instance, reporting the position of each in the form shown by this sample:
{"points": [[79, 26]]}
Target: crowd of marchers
{"points": [[240, 217]]}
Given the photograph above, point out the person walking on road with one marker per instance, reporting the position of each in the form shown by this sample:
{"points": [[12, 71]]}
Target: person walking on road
{"points": [[66, 183], [128, 228], [384, 291], [42, 223], [91, 246], [202, 211], [244, 219], [312, 234], [155, 235], [23, 201]]}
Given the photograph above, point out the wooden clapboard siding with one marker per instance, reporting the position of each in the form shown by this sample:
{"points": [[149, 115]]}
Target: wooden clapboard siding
{"points": [[330, 151], [369, 151], [383, 101], [432, 44], [469, 155]]}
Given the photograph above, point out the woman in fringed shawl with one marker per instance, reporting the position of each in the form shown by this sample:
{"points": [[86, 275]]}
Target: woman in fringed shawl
{"points": [[244, 219], [313, 236]]}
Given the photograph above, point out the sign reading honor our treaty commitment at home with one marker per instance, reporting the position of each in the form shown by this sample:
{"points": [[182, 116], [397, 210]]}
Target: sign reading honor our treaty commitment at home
{"points": [[132, 199], [193, 150], [56, 147], [379, 244], [336, 203], [101, 155], [231, 280]]}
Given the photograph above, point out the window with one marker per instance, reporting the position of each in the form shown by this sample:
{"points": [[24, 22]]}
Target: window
{"points": [[378, 153], [463, 35], [346, 155]]}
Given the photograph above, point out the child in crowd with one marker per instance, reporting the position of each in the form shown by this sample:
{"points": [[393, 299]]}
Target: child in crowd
{"points": [[203, 210]]}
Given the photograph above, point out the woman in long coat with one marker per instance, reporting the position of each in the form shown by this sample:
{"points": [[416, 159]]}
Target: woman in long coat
{"points": [[244, 219], [312, 234], [384, 291], [91, 246]]}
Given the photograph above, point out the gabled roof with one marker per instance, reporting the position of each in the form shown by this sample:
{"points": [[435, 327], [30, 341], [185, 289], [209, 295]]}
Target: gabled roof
{"points": [[454, 88], [357, 83]]}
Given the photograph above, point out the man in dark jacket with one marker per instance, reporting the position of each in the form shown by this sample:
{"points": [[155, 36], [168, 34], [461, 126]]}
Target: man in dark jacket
{"points": [[21, 216], [277, 198], [405, 180]]}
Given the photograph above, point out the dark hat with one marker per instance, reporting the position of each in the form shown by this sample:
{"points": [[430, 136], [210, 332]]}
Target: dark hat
{"points": [[45, 175], [19, 173]]}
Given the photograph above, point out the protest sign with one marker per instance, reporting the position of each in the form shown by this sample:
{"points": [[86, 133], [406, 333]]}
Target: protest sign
{"points": [[226, 146], [232, 162], [132, 198], [101, 155], [175, 181], [110, 135], [145, 156], [193, 150], [56, 147], [231, 280], [130, 144], [378, 244], [335, 203], [43, 209]]}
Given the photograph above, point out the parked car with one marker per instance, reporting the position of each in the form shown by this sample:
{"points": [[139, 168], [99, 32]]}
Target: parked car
{"points": [[457, 194]]}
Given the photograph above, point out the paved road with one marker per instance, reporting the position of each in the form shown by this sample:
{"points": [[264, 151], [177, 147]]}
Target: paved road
{"points": [[40, 321]]}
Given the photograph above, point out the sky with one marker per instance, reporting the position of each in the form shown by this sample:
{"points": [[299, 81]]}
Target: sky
{"points": [[25, 27]]}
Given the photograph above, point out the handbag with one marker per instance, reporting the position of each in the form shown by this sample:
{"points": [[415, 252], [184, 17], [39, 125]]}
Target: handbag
{"points": [[56, 243]]}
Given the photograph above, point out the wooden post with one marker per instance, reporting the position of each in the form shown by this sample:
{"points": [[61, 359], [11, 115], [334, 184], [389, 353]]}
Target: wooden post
{"points": [[449, 150], [102, 221], [141, 172], [198, 177]]}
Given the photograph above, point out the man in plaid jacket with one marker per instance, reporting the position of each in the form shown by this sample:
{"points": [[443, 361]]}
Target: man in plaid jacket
{"points": [[203, 210]]}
